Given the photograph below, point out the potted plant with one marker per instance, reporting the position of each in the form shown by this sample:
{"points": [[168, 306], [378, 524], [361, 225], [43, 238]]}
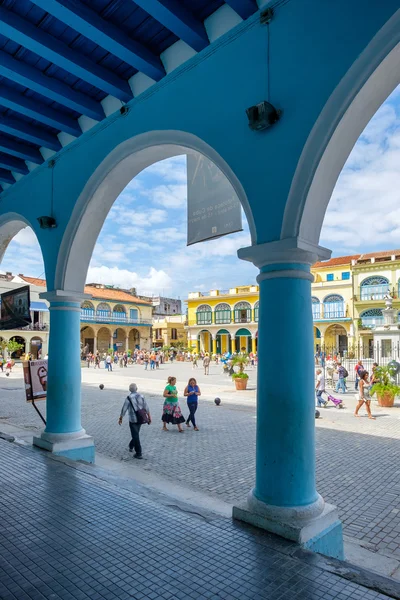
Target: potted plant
{"points": [[240, 378], [385, 389]]}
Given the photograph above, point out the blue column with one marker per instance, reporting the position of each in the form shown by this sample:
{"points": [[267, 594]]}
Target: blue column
{"points": [[285, 451], [63, 413], [285, 500], [64, 434]]}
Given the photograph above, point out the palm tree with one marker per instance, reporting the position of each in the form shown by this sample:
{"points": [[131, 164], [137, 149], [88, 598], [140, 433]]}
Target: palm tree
{"points": [[241, 361]]}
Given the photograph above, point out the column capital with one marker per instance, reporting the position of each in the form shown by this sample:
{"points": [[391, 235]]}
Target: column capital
{"points": [[288, 250], [64, 296]]}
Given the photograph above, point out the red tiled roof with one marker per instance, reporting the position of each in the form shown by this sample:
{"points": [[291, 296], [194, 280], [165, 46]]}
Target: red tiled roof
{"points": [[113, 294], [382, 254], [336, 261], [34, 280], [346, 260], [100, 293]]}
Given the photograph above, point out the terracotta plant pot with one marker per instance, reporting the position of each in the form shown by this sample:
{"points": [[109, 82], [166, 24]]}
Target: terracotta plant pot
{"points": [[241, 384], [386, 399]]}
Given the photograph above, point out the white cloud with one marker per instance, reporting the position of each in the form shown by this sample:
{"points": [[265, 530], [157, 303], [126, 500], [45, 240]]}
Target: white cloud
{"points": [[153, 283], [169, 196], [170, 170], [138, 218], [364, 211]]}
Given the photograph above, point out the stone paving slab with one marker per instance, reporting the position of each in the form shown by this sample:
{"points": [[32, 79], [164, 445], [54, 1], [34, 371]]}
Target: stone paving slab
{"points": [[357, 459], [67, 535]]}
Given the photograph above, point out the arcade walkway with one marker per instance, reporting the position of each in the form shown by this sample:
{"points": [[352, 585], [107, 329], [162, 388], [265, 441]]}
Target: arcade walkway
{"points": [[70, 532]]}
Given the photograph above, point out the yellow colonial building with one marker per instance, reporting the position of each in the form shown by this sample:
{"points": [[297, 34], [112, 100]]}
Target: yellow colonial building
{"points": [[223, 320], [347, 301], [332, 305], [168, 330]]}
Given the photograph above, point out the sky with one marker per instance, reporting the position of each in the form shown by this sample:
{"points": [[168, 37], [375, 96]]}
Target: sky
{"points": [[143, 240]]}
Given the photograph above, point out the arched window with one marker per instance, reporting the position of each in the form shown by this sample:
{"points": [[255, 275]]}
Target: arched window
{"points": [[119, 312], [256, 310], [374, 288], [87, 310], [316, 308], [334, 307], [222, 313], [204, 315], [372, 317], [103, 312], [174, 334], [242, 312]]}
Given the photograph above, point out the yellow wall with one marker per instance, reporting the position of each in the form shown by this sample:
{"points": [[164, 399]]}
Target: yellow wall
{"points": [[212, 301]]}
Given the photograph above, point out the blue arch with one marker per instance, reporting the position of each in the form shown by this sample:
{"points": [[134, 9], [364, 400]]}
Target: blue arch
{"points": [[371, 317], [334, 307], [374, 288]]}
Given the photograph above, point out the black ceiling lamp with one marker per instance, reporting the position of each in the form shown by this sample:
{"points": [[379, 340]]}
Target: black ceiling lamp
{"points": [[263, 115]]}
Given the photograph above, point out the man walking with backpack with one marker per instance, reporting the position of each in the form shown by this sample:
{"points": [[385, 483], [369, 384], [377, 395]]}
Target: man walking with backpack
{"points": [[342, 374], [139, 414]]}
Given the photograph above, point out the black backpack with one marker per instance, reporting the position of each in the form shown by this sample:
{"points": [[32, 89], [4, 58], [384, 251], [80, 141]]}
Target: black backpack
{"points": [[345, 373]]}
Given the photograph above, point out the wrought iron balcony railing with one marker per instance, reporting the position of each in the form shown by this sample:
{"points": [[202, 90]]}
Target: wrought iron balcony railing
{"points": [[113, 319]]}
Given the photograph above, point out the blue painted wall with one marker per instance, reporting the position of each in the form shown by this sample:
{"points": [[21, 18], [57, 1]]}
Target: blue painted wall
{"points": [[313, 44]]}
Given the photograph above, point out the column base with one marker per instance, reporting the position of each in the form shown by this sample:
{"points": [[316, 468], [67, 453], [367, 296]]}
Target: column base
{"points": [[76, 446], [315, 528]]}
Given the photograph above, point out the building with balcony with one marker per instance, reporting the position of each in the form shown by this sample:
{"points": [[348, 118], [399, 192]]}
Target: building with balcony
{"points": [[169, 330], [112, 318], [375, 275], [116, 319], [223, 320], [33, 337], [332, 304]]}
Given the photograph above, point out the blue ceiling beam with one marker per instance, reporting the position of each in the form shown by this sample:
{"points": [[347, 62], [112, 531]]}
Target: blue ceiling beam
{"points": [[32, 78], [40, 112], [244, 8], [20, 150], [90, 24], [177, 19], [41, 43], [27, 132], [6, 176], [14, 164]]}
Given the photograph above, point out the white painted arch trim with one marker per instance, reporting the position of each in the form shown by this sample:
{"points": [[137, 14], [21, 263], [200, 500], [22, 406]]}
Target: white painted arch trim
{"points": [[364, 88], [10, 224], [110, 178]]}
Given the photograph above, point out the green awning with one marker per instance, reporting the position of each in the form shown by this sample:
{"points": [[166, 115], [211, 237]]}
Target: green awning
{"points": [[243, 333], [223, 332]]}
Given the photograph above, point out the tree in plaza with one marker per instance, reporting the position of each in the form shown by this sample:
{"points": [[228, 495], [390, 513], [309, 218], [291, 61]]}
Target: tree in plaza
{"points": [[11, 346], [180, 346]]}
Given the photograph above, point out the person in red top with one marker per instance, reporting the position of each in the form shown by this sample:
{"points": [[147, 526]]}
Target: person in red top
{"points": [[358, 368]]}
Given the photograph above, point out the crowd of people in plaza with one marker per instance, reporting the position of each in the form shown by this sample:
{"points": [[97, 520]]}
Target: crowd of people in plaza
{"points": [[364, 382], [152, 359], [139, 411]]}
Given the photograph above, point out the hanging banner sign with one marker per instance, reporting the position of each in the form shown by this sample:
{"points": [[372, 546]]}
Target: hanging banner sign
{"points": [[35, 379], [214, 209]]}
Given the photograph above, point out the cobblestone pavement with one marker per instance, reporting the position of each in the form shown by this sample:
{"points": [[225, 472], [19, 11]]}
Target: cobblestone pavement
{"points": [[357, 459], [67, 535]]}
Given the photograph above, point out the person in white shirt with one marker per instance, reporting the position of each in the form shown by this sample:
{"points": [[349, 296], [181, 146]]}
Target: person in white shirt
{"points": [[320, 388]]}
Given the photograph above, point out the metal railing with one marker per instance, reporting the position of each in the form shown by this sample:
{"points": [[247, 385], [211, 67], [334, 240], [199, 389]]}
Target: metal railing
{"points": [[123, 319], [368, 353], [34, 327], [324, 312]]}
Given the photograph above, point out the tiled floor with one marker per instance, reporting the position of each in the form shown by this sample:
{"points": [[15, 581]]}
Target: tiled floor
{"points": [[66, 534]]}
